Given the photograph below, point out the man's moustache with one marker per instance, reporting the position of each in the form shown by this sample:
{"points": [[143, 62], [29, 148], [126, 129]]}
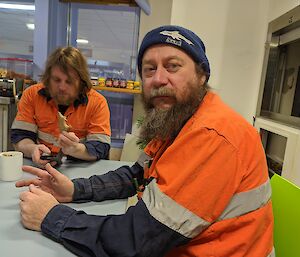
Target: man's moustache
{"points": [[162, 92]]}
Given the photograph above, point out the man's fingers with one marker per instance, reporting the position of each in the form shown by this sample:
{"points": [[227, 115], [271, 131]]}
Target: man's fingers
{"points": [[24, 195], [44, 149], [34, 171], [63, 140], [53, 172], [70, 136], [21, 196], [53, 163], [27, 182], [39, 150], [43, 162], [35, 190]]}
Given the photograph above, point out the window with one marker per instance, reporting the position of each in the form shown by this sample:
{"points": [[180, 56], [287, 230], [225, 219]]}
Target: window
{"points": [[108, 36], [280, 87], [274, 146], [16, 37]]}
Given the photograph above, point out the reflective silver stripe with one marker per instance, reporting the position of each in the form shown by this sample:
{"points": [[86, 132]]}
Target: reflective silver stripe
{"points": [[248, 201], [170, 213], [143, 158], [53, 140], [99, 137], [82, 140], [272, 254], [24, 125], [47, 138]]}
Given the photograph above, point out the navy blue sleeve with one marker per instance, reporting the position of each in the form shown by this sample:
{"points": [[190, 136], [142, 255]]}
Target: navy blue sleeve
{"points": [[98, 149], [17, 135], [115, 184], [135, 233]]}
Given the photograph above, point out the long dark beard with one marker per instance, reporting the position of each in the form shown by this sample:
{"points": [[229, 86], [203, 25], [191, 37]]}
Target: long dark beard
{"points": [[166, 124]]}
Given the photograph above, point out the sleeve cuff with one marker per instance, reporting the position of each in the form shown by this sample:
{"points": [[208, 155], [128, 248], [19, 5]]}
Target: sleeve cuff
{"points": [[98, 149], [82, 190], [54, 222], [20, 134]]}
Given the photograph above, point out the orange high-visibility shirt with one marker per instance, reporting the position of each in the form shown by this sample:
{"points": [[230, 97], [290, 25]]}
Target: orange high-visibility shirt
{"points": [[212, 184], [89, 121]]}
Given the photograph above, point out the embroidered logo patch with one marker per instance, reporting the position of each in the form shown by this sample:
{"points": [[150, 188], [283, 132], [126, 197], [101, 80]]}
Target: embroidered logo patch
{"points": [[176, 37]]}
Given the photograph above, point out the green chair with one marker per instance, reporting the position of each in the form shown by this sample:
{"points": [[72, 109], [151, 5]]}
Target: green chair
{"points": [[286, 208]]}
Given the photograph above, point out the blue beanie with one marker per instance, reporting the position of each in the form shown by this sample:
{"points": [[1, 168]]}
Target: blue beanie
{"points": [[177, 36]]}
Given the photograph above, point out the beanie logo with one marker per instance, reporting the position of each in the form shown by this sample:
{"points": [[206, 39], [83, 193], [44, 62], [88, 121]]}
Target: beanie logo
{"points": [[175, 35]]}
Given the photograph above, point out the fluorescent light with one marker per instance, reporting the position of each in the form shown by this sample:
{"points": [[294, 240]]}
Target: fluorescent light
{"points": [[18, 6], [82, 41], [30, 26]]}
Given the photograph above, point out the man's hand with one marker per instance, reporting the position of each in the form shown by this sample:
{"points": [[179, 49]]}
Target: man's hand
{"points": [[37, 152], [32, 150], [70, 145], [69, 142], [50, 181], [34, 206]]}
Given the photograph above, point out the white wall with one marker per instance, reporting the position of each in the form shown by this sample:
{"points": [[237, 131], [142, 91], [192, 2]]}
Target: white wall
{"points": [[279, 7], [160, 15], [234, 32], [208, 20]]}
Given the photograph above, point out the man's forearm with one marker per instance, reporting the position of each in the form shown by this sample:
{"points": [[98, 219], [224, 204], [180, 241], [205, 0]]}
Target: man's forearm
{"points": [[80, 152], [26, 146]]}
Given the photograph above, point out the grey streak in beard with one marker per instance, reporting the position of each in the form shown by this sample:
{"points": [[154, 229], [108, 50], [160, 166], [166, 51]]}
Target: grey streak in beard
{"points": [[166, 124], [162, 91]]}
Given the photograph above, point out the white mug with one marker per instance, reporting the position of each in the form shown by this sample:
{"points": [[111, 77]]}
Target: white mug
{"points": [[11, 165]]}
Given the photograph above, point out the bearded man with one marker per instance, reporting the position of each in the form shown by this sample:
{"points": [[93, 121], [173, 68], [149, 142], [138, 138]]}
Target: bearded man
{"points": [[203, 174]]}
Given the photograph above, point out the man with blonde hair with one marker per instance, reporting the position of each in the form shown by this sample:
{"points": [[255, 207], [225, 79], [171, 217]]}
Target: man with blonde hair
{"points": [[63, 115]]}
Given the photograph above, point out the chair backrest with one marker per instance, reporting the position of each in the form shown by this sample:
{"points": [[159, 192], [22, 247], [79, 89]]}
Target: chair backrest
{"points": [[286, 209], [131, 152]]}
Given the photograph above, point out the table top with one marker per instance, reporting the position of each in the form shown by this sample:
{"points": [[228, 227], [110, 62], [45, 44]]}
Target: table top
{"points": [[15, 240]]}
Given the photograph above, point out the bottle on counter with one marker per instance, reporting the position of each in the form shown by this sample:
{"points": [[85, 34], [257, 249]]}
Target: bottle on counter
{"points": [[109, 82], [115, 82], [137, 85], [122, 83], [94, 81], [101, 82], [130, 84]]}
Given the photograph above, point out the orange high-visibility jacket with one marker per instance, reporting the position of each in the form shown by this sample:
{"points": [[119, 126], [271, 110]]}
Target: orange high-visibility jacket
{"points": [[211, 185], [89, 121]]}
